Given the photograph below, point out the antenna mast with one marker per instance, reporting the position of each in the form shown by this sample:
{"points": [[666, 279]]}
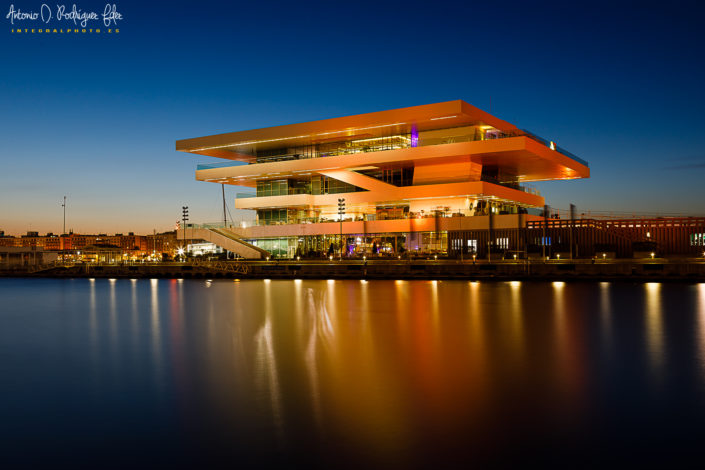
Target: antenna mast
{"points": [[225, 218], [64, 206]]}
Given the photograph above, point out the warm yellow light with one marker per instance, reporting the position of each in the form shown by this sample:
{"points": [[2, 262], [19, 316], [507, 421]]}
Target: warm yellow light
{"points": [[237, 144], [444, 117], [381, 138], [331, 258], [652, 255]]}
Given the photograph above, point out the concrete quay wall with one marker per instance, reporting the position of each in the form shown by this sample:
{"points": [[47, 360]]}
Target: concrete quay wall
{"points": [[653, 270]]}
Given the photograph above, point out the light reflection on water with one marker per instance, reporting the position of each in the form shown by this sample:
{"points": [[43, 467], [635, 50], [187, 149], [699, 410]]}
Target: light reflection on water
{"points": [[654, 329], [356, 373], [701, 327]]}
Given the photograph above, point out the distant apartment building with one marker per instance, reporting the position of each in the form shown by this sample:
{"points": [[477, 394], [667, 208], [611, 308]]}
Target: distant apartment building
{"points": [[130, 243]]}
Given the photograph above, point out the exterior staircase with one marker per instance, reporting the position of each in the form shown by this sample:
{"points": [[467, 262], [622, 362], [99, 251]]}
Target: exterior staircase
{"points": [[227, 240]]}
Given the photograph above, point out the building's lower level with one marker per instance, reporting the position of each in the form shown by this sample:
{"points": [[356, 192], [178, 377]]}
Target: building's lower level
{"points": [[509, 236]]}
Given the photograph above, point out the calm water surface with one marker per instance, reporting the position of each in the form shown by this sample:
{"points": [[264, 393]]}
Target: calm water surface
{"points": [[115, 373]]}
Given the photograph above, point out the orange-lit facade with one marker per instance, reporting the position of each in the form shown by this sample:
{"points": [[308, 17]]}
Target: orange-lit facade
{"points": [[407, 176]]}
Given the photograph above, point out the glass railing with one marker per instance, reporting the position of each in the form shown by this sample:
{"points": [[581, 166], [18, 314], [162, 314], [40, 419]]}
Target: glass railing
{"points": [[211, 166], [346, 150], [512, 185], [533, 136], [353, 218]]}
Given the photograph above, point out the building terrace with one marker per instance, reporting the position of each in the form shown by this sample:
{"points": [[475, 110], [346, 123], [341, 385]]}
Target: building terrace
{"points": [[402, 164]]}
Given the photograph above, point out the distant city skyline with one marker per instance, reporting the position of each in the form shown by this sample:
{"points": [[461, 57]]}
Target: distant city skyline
{"points": [[95, 118]]}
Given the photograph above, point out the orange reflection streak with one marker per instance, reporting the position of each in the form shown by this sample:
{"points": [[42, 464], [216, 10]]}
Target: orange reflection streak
{"points": [[606, 313], [570, 343], [654, 328], [266, 376], [425, 349], [113, 315], [358, 385], [477, 354], [134, 317], [156, 332], [321, 340], [384, 365], [93, 319], [517, 324], [701, 326], [176, 331], [476, 323]]}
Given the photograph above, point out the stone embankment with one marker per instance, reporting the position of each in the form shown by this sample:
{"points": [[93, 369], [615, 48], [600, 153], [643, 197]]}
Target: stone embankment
{"points": [[691, 270]]}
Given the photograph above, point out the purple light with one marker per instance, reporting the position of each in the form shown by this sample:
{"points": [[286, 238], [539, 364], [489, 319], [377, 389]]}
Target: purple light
{"points": [[414, 136]]}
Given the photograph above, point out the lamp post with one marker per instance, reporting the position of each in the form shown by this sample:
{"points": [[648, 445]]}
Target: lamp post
{"points": [[341, 212], [63, 232], [572, 224], [64, 206], [184, 217]]}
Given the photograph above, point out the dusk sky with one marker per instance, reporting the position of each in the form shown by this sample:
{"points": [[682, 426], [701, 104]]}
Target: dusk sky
{"points": [[95, 116]]}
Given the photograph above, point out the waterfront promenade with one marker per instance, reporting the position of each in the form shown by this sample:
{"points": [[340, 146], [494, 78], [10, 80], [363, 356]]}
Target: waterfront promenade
{"points": [[676, 269]]}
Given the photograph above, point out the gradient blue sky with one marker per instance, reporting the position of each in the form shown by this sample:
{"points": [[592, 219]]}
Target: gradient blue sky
{"points": [[95, 117]]}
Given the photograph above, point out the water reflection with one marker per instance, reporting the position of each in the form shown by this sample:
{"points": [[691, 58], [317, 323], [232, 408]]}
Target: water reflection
{"points": [[93, 318], [570, 340], [701, 326], [156, 332], [654, 328], [267, 378], [386, 373], [605, 311]]}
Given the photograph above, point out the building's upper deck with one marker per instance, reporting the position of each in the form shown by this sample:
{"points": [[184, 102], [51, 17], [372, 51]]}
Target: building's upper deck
{"points": [[450, 132], [363, 129]]}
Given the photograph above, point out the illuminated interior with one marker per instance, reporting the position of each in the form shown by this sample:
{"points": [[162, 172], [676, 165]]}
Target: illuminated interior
{"points": [[444, 160]]}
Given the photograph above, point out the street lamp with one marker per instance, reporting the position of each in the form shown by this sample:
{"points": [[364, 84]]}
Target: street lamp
{"points": [[64, 206], [341, 212], [184, 217], [63, 232]]}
